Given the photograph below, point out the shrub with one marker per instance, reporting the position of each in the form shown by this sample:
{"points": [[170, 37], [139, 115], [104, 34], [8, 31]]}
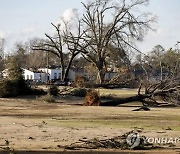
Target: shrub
{"points": [[22, 87], [37, 92], [8, 88], [12, 88], [47, 98], [80, 92], [53, 90]]}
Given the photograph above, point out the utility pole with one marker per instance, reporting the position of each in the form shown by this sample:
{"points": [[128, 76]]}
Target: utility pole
{"points": [[2, 56], [47, 67], [2, 42]]}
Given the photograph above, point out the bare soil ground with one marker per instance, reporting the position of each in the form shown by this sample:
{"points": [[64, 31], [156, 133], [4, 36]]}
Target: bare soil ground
{"points": [[28, 124]]}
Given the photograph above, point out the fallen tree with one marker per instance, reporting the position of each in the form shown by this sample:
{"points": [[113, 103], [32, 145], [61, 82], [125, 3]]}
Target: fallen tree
{"points": [[166, 91]]}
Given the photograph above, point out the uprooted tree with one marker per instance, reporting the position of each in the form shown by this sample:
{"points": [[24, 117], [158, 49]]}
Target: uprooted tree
{"points": [[166, 91]]}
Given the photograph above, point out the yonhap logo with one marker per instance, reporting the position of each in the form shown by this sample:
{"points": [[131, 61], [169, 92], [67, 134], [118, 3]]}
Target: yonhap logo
{"points": [[162, 140], [133, 139]]}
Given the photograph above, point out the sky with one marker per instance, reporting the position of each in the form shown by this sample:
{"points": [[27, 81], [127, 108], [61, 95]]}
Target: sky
{"points": [[21, 20]]}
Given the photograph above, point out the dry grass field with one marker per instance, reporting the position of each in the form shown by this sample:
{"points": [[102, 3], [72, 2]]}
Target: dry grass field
{"points": [[29, 124]]}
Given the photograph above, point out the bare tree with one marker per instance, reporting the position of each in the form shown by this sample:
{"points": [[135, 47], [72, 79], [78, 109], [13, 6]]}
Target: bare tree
{"points": [[107, 26], [59, 46], [54, 45]]}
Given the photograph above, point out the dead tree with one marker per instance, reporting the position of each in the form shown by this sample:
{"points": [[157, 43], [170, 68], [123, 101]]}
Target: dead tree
{"points": [[54, 45], [57, 45]]}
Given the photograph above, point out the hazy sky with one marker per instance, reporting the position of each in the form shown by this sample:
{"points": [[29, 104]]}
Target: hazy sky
{"points": [[21, 20]]}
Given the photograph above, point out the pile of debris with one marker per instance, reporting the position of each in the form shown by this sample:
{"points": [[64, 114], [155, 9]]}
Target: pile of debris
{"points": [[129, 140]]}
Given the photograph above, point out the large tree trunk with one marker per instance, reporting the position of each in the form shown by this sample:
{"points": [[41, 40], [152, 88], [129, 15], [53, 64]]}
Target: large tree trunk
{"points": [[136, 98], [65, 79], [62, 72], [101, 72], [100, 77], [62, 67]]}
